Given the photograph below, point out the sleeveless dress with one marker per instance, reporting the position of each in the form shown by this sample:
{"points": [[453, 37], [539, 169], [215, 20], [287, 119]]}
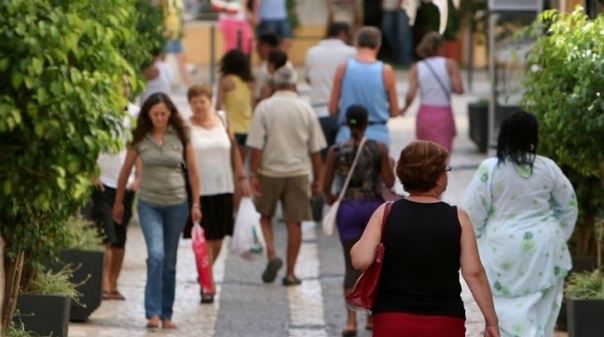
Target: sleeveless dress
{"points": [[435, 120]]}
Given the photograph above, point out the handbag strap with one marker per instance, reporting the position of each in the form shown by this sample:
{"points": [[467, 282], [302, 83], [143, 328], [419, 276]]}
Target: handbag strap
{"points": [[387, 210], [442, 85], [354, 164]]}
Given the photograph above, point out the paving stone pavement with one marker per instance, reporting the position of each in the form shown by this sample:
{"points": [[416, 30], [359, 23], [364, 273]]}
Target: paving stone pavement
{"points": [[244, 305]]}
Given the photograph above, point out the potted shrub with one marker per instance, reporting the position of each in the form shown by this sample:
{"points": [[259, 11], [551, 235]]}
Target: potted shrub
{"points": [[56, 115], [563, 89], [44, 309], [84, 251], [17, 330], [585, 304], [585, 298]]}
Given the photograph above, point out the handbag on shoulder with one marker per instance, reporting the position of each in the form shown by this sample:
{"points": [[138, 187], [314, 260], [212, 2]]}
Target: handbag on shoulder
{"points": [[363, 294], [329, 220]]}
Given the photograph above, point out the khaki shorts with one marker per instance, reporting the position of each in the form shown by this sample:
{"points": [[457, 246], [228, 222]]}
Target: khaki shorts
{"points": [[293, 192]]}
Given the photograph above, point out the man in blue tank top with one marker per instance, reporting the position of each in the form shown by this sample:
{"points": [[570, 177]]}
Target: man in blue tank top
{"points": [[366, 81]]}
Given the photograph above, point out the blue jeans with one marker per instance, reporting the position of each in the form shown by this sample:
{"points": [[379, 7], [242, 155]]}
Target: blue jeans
{"points": [[398, 34], [161, 227], [281, 28]]}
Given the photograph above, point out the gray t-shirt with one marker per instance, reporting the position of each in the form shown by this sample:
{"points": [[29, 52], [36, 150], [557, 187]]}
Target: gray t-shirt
{"points": [[162, 180]]}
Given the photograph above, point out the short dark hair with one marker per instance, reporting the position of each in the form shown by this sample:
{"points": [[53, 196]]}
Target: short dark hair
{"points": [[277, 57], [420, 165], [518, 139], [368, 37], [338, 27], [357, 116], [269, 39]]}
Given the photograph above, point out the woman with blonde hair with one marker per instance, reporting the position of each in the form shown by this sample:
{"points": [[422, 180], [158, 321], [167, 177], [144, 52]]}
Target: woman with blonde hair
{"points": [[437, 78]]}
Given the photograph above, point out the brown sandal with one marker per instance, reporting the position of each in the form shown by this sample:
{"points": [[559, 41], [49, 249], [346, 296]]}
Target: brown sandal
{"points": [[167, 324], [116, 295]]}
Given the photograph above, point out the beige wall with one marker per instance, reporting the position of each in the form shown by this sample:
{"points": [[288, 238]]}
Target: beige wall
{"points": [[197, 42]]}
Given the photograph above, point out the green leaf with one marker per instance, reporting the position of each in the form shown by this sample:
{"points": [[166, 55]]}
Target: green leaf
{"points": [[17, 79], [8, 187], [37, 65]]}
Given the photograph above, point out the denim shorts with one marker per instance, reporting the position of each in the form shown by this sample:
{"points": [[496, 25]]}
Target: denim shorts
{"points": [[241, 138], [281, 28], [173, 47]]}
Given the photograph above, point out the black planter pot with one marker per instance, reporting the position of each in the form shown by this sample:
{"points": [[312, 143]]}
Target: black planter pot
{"points": [[580, 264], [585, 318], [88, 265], [478, 118], [44, 315]]}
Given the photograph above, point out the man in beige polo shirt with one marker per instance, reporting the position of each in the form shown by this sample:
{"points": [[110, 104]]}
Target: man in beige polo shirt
{"points": [[286, 141]]}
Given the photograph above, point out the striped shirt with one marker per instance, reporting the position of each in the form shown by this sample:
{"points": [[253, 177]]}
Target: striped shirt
{"points": [[322, 61]]}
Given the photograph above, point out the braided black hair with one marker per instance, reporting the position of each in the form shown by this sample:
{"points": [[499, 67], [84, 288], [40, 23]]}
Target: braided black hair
{"points": [[518, 139]]}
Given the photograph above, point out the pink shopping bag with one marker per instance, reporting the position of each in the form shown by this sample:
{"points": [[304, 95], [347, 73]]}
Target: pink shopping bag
{"points": [[204, 266]]}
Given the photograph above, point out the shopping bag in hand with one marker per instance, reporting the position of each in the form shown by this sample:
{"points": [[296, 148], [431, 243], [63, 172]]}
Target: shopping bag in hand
{"points": [[204, 266], [247, 241]]}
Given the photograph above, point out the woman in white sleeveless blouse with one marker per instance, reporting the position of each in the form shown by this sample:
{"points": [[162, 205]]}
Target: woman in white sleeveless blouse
{"points": [[437, 78], [220, 167]]}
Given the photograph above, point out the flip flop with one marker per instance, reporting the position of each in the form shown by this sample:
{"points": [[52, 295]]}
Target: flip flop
{"points": [[207, 298], [116, 295], [287, 282], [349, 333], [106, 295], [272, 268], [168, 325]]}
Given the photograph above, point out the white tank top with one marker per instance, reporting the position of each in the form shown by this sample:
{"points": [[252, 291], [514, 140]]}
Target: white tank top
{"points": [[163, 82], [432, 92], [212, 149]]}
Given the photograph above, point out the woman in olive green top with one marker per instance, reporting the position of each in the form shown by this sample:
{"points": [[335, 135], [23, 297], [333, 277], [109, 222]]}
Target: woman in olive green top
{"points": [[162, 142]]}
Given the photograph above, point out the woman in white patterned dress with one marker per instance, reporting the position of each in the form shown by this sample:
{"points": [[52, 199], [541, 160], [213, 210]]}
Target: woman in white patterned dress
{"points": [[523, 209]]}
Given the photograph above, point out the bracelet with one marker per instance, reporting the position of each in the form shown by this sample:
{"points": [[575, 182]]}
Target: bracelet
{"points": [[195, 206], [241, 178]]}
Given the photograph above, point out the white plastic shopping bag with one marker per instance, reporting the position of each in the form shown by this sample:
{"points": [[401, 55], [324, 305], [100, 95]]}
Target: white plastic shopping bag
{"points": [[248, 241]]}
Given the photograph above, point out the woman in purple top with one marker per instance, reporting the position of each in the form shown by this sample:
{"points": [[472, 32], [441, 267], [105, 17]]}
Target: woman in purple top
{"points": [[363, 195]]}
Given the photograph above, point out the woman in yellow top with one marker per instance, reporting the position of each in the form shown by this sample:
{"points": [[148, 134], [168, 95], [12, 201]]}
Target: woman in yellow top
{"points": [[236, 94], [174, 32]]}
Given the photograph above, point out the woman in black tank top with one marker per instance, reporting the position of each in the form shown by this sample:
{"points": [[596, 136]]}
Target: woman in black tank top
{"points": [[427, 242]]}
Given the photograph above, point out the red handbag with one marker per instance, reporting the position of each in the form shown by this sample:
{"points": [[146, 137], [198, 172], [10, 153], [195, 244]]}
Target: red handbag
{"points": [[363, 293], [204, 267]]}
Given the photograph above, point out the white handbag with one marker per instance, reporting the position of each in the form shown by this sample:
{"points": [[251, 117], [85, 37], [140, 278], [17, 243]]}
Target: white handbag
{"points": [[329, 220]]}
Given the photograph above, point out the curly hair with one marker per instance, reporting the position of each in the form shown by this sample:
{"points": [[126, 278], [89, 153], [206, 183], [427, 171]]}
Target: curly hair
{"points": [[144, 124], [518, 139], [420, 165], [234, 62]]}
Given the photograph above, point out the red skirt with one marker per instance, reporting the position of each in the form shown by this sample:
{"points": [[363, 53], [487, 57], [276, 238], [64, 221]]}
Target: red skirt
{"points": [[395, 324]]}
